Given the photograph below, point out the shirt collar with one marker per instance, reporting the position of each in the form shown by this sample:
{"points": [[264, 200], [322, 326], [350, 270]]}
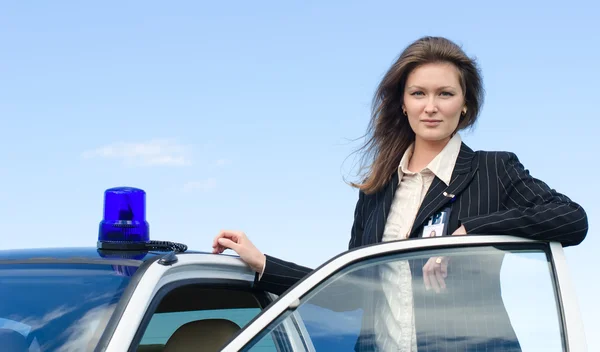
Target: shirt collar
{"points": [[441, 166]]}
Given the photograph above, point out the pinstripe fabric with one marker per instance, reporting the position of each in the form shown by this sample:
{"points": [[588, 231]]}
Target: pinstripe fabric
{"points": [[494, 194]]}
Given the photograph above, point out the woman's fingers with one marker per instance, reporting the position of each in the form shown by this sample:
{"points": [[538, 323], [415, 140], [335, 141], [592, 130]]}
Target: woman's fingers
{"points": [[426, 278], [434, 273], [428, 274], [439, 279], [239, 242], [444, 268], [227, 243], [233, 236], [433, 280]]}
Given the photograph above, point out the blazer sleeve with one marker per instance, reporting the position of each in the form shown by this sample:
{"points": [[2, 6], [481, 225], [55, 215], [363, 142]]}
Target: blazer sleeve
{"points": [[532, 209], [356, 233], [280, 275]]}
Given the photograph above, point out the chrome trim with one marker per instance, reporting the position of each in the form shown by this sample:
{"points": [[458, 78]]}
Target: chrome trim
{"points": [[573, 323], [188, 266], [288, 299]]}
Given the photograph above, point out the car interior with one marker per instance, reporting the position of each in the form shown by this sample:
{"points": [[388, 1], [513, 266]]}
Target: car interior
{"points": [[208, 334]]}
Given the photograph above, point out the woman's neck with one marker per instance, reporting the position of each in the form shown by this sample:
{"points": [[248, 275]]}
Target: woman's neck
{"points": [[424, 152]]}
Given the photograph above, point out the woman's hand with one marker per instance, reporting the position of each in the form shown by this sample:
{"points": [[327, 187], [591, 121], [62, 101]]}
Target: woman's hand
{"points": [[460, 231], [434, 273], [239, 243], [435, 270]]}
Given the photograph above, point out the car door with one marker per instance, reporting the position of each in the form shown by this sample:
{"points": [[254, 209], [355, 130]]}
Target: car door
{"points": [[499, 293]]}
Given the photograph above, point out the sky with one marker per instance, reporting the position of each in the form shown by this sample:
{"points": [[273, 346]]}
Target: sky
{"points": [[244, 115]]}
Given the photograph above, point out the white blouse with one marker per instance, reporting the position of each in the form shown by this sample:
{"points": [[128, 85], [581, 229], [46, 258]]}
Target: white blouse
{"points": [[394, 322]]}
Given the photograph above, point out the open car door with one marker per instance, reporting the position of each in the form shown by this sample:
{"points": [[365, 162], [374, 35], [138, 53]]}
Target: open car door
{"points": [[499, 293]]}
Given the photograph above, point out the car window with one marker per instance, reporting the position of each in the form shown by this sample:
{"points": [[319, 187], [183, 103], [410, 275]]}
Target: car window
{"points": [[163, 325], [495, 299], [215, 313], [58, 307]]}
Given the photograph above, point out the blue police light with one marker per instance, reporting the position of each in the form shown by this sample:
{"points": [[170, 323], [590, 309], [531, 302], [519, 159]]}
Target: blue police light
{"points": [[124, 226]]}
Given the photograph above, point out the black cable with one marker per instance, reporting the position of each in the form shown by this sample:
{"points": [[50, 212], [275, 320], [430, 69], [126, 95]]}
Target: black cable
{"points": [[166, 245]]}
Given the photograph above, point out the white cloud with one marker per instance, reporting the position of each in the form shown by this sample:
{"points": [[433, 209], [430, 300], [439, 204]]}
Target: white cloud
{"points": [[83, 330], [158, 152], [37, 323], [201, 185]]}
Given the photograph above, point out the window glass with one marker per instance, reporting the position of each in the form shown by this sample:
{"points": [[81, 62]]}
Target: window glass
{"points": [[210, 314], [57, 307], [163, 325], [487, 299]]}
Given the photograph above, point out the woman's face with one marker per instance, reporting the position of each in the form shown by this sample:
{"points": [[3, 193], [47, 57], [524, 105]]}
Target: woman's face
{"points": [[434, 101]]}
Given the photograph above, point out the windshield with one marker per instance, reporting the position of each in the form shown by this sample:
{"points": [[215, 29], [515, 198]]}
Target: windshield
{"points": [[58, 307]]}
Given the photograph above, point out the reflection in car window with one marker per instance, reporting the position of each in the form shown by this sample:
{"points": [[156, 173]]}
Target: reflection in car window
{"points": [[494, 300], [57, 307]]}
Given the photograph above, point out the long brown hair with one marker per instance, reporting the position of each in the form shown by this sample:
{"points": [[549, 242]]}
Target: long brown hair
{"points": [[389, 133]]}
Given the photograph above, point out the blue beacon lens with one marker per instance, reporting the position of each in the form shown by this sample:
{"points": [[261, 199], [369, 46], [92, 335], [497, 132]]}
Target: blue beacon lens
{"points": [[124, 225]]}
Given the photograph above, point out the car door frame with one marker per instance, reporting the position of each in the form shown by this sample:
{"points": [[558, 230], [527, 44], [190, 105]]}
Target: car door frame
{"points": [[209, 269], [568, 308]]}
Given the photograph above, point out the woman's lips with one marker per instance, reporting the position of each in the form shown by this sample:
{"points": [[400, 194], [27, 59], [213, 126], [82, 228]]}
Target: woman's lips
{"points": [[431, 122]]}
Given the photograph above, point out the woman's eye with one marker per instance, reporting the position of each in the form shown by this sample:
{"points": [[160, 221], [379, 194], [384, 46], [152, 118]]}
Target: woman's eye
{"points": [[447, 94], [417, 93]]}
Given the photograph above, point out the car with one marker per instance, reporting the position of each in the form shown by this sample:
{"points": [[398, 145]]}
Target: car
{"points": [[130, 293]]}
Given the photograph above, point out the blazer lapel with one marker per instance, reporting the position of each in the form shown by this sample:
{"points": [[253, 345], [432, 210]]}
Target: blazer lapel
{"points": [[464, 171]]}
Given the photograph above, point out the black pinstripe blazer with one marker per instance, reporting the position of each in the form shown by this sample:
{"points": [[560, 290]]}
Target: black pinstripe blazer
{"points": [[494, 194]]}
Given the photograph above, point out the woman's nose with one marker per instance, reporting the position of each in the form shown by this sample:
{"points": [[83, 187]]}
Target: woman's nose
{"points": [[431, 107]]}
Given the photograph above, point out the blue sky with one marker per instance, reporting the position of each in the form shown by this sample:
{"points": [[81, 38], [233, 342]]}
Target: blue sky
{"points": [[240, 115]]}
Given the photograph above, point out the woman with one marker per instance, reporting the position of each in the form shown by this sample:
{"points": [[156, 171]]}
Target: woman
{"points": [[419, 170]]}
